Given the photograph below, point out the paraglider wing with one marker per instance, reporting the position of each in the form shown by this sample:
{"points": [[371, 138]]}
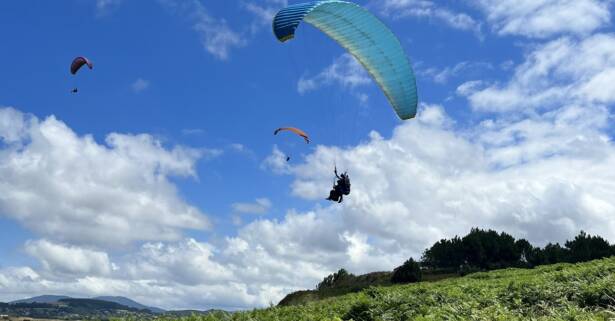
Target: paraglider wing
{"points": [[294, 130], [366, 38], [78, 63]]}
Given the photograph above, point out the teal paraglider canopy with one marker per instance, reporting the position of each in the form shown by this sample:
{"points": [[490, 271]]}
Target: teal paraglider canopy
{"points": [[366, 38]]}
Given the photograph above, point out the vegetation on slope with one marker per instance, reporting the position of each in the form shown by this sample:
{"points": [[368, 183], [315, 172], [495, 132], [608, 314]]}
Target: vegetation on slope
{"points": [[479, 250], [565, 291]]}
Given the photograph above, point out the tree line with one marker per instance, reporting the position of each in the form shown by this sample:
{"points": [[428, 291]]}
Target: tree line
{"points": [[488, 250], [482, 250]]}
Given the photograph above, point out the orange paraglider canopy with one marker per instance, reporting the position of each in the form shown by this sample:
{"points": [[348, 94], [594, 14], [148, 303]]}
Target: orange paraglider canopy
{"points": [[294, 130]]}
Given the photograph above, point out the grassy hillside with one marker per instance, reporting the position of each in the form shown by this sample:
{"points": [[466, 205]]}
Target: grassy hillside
{"points": [[584, 291], [351, 285]]}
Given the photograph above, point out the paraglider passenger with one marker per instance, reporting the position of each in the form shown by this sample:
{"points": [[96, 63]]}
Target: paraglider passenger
{"points": [[341, 188]]}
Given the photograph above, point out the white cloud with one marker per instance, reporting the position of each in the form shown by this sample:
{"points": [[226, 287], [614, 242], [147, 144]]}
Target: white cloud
{"points": [[69, 259], [259, 206], [140, 85], [242, 150], [345, 71], [21, 282], [70, 188], [188, 262], [264, 11], [562, 71], [545, 18], [443, 75], [296, 252], [14, 125], [179, 275], [218, 40], [216, 35], [430, 10], [276, 162]]}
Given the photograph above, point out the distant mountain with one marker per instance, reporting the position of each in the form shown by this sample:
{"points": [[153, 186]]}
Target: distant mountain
{"points": [[98, 308], [115, 299], [42, 299], [74, 309], [128, 302]]}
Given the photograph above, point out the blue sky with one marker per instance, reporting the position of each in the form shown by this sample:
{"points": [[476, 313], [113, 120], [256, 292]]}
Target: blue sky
{"points": [[161, 178]]}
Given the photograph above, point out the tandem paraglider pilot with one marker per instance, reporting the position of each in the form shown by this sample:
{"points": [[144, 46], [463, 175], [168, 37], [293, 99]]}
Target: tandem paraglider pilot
{"points": [[341, 188]]}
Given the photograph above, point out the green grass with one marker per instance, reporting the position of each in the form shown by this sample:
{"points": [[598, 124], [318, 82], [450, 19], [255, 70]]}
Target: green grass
{"points": [[584, 291]]}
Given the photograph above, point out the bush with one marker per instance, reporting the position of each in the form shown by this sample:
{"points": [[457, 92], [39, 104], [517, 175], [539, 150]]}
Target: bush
{"points": [[359, 312], [409, 272]]}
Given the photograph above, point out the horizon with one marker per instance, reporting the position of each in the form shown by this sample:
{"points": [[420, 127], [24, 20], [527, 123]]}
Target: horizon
{"points": [[162, 181]]}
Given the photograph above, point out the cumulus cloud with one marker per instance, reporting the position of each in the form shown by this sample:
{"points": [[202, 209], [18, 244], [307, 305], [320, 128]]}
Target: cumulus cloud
{"points": [[20, 282], [69, 259], [430, 10], [180, 275], [188, 262], [71, 188], [545, 18], [561, 71]]}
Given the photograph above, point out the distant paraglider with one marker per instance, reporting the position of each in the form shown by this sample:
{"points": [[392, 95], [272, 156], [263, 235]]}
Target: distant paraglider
{"points": [[76, 65], [294, 130], [297, 131], [366, 38]]}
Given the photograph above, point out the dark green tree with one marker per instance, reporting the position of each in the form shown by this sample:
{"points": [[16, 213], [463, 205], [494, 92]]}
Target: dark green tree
{"points": [[486, 250], [409, 272], [554, 253], [334, 279], [585, 247]]}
